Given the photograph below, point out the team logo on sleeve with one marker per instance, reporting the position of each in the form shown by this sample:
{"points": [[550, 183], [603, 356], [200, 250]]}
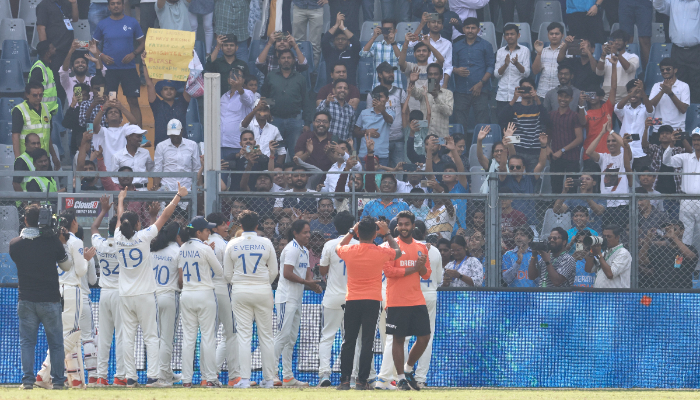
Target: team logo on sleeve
{"points": [[420, 253]]}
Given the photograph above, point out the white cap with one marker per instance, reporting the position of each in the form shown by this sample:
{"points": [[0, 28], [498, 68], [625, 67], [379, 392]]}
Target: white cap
{"points": [[174, 127], [130, 129], [696, 131]]}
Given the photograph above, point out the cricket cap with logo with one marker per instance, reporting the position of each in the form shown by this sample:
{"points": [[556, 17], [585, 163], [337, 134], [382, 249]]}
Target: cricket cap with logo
{"points": [[695, 131], [199, 223], [174, 127]]}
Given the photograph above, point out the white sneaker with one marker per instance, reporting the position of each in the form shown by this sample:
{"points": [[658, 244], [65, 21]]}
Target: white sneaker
{"points": [[162, 383], [176, 378], [267, 384], [384, 385], [293, 382], [324, 381], [352, 381], [242, 384]]}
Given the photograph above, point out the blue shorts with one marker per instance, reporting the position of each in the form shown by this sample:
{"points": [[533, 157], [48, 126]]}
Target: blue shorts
{"points": [[636, 12]]}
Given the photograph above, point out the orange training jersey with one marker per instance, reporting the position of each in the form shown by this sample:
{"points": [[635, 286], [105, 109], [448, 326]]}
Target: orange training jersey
{"points": [[404, 291]]}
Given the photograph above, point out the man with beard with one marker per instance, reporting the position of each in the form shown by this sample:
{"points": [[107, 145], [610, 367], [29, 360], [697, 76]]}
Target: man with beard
{"points": [[25, 162], [288, 205], [32, 116], [670, 97], [324, 223], [340, 71], [75, 69], [313, 147], [553, 266], [387, 205], [342, 113], [268, 62]]}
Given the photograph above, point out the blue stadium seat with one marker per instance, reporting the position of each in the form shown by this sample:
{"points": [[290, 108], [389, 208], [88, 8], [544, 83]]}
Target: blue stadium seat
{"points": [[8, 269], [525, 35], [12, 29], [6, 106], [195, 132], [659, 51], [11, 78], [493, 136], [402, 28], [17, 50], [5, 8], [456, 128], [192, 111], [488, 33], [692, 117], [658, 35], [321, 80], [27, 11], [652, 76], [5, 131], [365, 74], [542, 33], [367, 29], [546, 12]]}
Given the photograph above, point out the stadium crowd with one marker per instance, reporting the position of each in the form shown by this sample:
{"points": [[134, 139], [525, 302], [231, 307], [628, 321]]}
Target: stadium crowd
{"points": [[579, 101]]}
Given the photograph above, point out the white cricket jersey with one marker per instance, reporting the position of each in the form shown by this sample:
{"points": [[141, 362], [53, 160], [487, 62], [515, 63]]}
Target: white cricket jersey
{"points": [[298, 256], [430, 285], [165, 268], [89, 278], [107, 261], [337, 283], [220, 283], [134, 256], [197, 261], [250, 260], [74, 247]]}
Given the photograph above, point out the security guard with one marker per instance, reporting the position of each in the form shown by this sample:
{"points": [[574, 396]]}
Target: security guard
{"points": [[33, 116], [41, 72]]}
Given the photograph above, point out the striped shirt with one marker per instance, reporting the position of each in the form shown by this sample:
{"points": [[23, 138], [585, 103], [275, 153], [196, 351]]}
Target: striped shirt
{"points": [[342, 118], [529, 121], [381, 52], [231, 16], [563, 133]]}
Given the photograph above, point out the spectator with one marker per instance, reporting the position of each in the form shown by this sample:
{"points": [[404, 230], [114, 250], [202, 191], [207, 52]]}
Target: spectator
{"points": [[342, 113], [419, 69], [468, 272], [499, 153], [357, 181], [473, 65], [112, 136], [387, 51], [42, 73], [40, 159], [75, 69], [288, 89], [650, 218], [690, 185], [514, 266], [633, 117], [174, 14], [476, 223], [511, 219], [348, 12], [147, 17], [340, 71], [134, 156], [595, 206], [83, 164], [324, 222], [618, 160], [613, 266], [262, 183], [583, 67], [553, 267], [594, 114], [231, 17], [627, 63], [296, 207], [520, 183], [440, 47], [387, 205], [635, 18], [249, 158], [307, 16], [266, 132], [313, 147], [268, 227], [585, 18], [580, 220], [268, 62], [414, 132], [453, 183], [176, 155], [668, 137], [512, 64], [71, 117], [667, 263], [54, 21], [396, 99], [341, 46], [236, 104], [467, 8], [117, 35], [567, 137], [444, 246], [671, 97], [530, 118], [546, 58], [418, 205], [685, 25], [341, 157], [646, 182], [25, 162], [442, 216], [88, 109], [551, 98], [451, 22], [440, 102], [205, 9], [250, 82], [32, 116], [237, 206], [376, 122], [228, 45], [168, 106]]}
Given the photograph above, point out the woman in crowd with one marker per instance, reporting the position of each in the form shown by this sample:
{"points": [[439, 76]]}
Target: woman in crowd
{"points": [[464, 270], [500, 152]]}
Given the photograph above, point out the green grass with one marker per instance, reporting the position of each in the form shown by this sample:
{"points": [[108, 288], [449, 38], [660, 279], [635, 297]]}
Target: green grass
{"points": [[9, 393]]}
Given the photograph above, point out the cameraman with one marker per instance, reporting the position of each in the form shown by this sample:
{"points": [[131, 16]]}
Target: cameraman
{"points": [[36, 256], [553, 266], [613, 268]]}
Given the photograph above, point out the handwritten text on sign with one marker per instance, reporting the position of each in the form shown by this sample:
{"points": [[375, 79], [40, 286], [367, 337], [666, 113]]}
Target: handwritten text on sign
{"points": [[168, 53]]}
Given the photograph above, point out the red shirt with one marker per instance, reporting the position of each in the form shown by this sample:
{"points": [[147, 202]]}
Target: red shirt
{"points": [[401, 290], [595, 119]]}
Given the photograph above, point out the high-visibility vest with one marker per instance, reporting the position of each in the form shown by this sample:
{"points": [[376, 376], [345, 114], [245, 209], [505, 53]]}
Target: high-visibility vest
{"points": [[33, 123], [50, 93], [30, 165], [45, 184]]}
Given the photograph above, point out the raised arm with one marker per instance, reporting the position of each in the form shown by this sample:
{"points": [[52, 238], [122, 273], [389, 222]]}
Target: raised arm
{"points": [[105, 206], [170, 209], [150, 86], [590, 151], [483, 132]]}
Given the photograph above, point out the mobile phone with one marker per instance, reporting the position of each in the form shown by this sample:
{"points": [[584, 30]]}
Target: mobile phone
{"points": [[89, 127], [433, 17], [248, 148], [441, 141], [385, 31], [591, 94], [423, 123], [376, 96], [579, 246], [269, 102], [78, 92], [409, 167], [354, 153], [256, 147], [102, 91], [112, 96], [657, 121], [577, 182], [424, 183], [525, 89], [515, 139], [433, 84], [635, 136], [574, 48], [83, 44]]}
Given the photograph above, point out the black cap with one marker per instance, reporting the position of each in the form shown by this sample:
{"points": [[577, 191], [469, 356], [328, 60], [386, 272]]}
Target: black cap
{"points": [[386, 67], [199, 223], [566, 89], [230, 38]]}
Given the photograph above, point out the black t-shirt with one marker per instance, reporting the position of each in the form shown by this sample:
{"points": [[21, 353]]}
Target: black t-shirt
{"points": [[20, 165], [666, 183], [36, 267], [33, 186], [585, 79], [671, 269], [51, 14]]}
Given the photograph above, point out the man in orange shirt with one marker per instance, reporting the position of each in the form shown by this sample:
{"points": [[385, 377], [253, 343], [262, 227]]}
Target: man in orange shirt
{"points": [[406, 312], [363, 262]]}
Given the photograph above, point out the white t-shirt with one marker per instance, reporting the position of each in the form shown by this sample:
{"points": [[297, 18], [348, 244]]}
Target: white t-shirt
{"points": [[666, 109], [337, 283], [220, 283], [298, 256], [616, 184], [250, 260], [112, 141], [74, 247], [107, 261], [134, 255], [165, 268], [197, 262], [90, 278], [429, 286], [441, 222]]}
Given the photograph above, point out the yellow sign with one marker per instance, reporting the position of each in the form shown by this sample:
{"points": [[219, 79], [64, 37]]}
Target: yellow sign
{"points": [[168, 53]]}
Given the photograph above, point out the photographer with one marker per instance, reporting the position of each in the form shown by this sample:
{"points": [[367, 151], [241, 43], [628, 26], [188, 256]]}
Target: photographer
{"points": [[614, 264], [553, 265], [36, 255]]}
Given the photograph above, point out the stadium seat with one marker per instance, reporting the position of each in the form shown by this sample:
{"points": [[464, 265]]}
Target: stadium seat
{"points": [[493, 136], [658, 35], [473, 159], [27, 11], [192, 111], [616, 26], [456, 128], [542, 32], [322, 75], [692, 117], [652, 75], [195, 132], [9, 218], [7, 156], [5, 8], [5, 237], [546, 12], [8, 269], [11, 78], [6, 106], [6, 181], [488, 33], [477, 179], [365, 74], [5, 131], [402, 28], [367, 29], [659, 51], [12, 29], [553, 220], [17, 50], [81, 30], [525, 35], [35, 39]]}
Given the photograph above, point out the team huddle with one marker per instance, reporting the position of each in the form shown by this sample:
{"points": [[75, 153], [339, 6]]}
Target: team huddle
{"points": [[152, 276]]}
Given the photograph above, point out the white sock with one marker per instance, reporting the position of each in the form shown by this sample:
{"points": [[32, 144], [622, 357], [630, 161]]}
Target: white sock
{"points": [[400, 376], [407, 368]]}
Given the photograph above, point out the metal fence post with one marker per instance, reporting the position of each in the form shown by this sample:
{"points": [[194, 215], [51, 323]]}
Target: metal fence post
{"points": [[353, 200], [493, 233], [634, 240], [212, 139]]}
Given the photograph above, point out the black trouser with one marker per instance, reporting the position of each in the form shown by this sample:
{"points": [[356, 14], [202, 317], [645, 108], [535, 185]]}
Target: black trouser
{"points": [[687, 60], [584, 27], [358, 313], [524, 7]]}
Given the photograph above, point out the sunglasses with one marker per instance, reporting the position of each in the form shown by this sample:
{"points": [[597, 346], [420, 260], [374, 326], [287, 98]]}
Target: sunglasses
{"points": [[516, 167], [667, 69]]}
